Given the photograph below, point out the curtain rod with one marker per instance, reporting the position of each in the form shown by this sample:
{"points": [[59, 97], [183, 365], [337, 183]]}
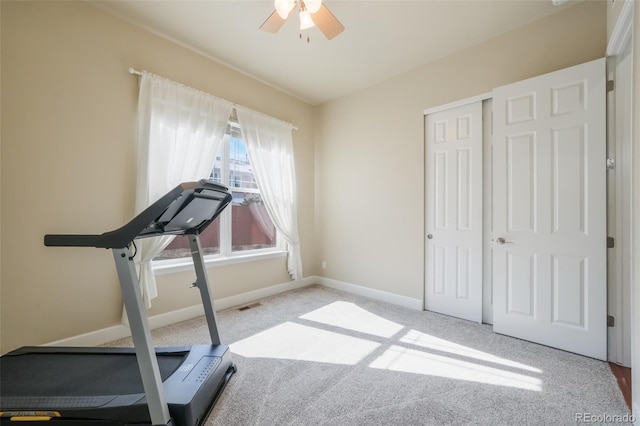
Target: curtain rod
{"points": [[139, 73]]}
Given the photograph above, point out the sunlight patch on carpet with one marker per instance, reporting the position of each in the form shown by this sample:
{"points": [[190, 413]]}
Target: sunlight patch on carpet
{"points": [[303, 343], [418, 338], [352, 317], [397, 358]]}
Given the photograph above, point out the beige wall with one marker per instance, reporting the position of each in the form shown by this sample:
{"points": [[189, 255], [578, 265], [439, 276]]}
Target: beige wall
{"points": [[370, 148], [67, 164]]}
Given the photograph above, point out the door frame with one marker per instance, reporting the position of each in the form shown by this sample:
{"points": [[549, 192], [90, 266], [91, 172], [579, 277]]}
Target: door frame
{"points": [[487, 213], [621, 37], [619, 206]]}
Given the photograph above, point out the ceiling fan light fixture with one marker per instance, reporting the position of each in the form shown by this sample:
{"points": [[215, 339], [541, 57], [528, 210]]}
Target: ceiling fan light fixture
{"points": [[305, 20], [313, 5], [323, 19], [284, 7]]}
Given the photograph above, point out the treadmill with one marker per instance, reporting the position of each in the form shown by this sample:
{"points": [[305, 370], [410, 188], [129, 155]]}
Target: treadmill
{"points": [[175, 386]]}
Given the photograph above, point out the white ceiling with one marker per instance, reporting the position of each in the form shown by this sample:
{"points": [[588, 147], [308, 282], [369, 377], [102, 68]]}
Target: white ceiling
{"points": [[382, 39]]}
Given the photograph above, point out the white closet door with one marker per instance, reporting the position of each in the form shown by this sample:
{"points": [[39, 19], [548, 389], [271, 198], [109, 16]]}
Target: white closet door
{"points": [[454, 212], [549, 210]]}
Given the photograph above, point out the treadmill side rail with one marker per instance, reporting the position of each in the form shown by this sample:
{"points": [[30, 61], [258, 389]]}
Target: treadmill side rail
{"points": [[142, 341]]}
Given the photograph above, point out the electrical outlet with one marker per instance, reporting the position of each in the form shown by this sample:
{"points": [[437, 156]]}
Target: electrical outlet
{"points": [[324, 264]]}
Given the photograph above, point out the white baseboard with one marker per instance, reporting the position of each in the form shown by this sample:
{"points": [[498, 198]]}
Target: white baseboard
{"points": [[384, 296], [252, 296], [99, 337], [120, 331], [94, 338]]}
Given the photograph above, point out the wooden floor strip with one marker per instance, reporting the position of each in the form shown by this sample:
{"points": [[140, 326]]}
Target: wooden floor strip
{"points": [[623, 375]]}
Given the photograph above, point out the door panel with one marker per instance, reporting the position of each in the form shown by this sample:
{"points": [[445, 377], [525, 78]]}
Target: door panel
{"points": [[549, 209], [454, 212]]}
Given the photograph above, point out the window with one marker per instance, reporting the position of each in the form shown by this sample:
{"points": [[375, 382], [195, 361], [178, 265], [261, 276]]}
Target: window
{"points": [[243, 227]]}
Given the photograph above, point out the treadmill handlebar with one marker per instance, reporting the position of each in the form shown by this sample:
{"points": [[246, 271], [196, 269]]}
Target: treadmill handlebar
{"points": [[71, 240], [187, 209]]}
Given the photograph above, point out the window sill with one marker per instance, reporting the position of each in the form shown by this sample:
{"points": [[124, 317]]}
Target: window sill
{"points": [[164, 267]]}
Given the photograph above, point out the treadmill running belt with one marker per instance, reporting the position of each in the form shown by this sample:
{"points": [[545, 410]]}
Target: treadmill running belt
{"points": [[79, 374]]}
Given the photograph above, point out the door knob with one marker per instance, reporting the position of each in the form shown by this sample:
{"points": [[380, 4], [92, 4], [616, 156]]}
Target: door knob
{"points": [[429, 236], [501, 240]]}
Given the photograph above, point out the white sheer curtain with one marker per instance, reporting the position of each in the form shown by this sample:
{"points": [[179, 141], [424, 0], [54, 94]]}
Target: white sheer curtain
{"points": [[179, 130], [270, 149], [261, 216]]}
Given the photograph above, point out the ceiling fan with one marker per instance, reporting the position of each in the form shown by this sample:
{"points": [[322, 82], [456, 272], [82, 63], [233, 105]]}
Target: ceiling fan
{"points": [[312, 13]]}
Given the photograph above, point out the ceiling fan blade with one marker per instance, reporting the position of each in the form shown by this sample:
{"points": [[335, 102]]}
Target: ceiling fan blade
{"points": [[273, 23], [326, 22]]}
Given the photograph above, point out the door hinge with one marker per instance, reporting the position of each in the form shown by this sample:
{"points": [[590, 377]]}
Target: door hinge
{"points": [[610, 85], [611, 164], [611, 243], [611, 321]]}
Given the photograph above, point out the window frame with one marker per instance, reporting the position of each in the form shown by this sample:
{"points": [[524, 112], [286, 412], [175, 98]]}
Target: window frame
{"points": [[226, 255]]}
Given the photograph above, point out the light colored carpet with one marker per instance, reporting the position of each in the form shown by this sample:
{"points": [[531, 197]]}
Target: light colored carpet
{"points": [[318, 356]]}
